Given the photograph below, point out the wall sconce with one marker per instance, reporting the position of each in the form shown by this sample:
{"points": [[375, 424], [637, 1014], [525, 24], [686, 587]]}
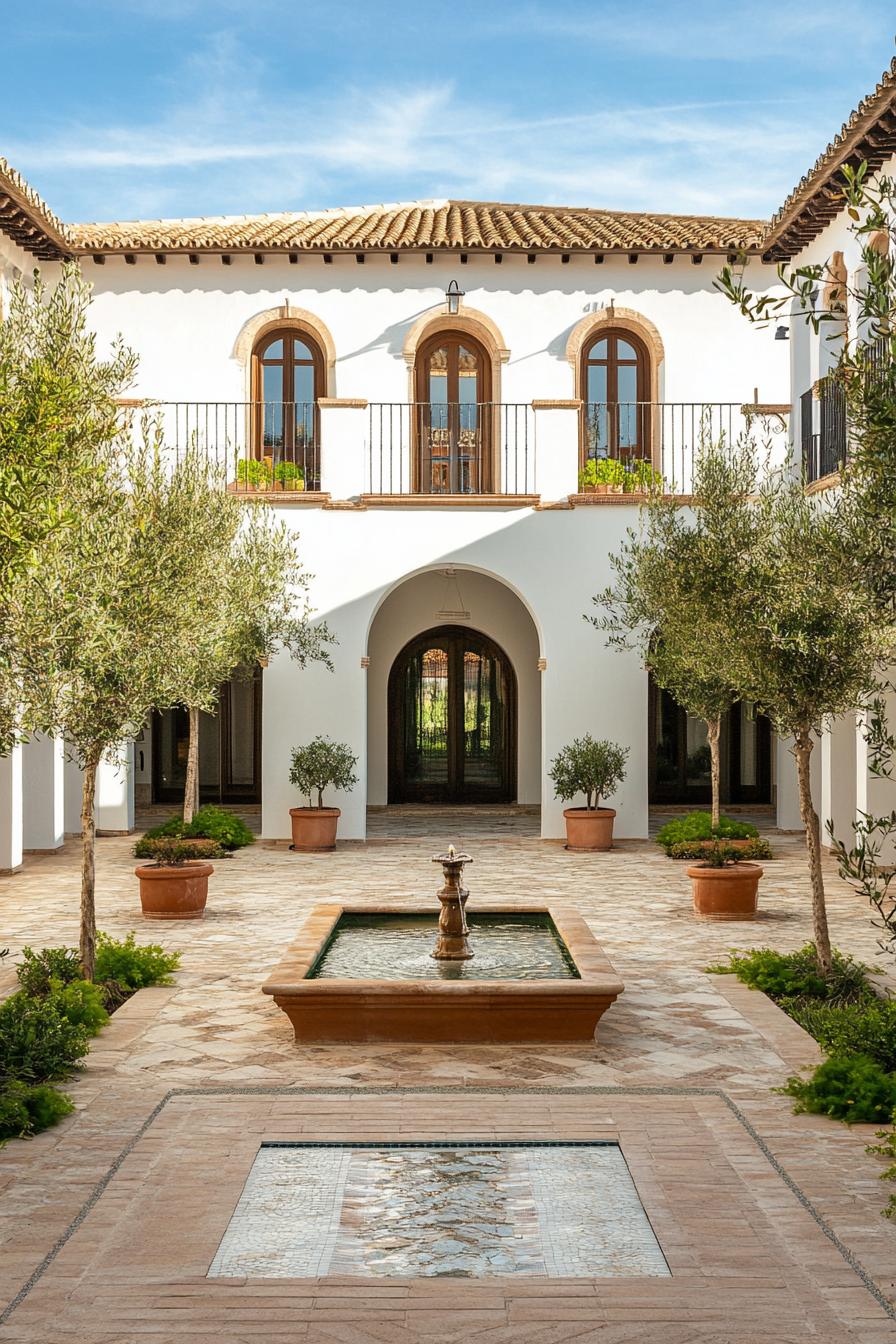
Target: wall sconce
{"points": [[454, 294], [782, 334]]}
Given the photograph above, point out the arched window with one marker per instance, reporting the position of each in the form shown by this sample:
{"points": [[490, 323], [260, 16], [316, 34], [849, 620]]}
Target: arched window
{"points": [[615, 383], [287, 379], [453, 416]]}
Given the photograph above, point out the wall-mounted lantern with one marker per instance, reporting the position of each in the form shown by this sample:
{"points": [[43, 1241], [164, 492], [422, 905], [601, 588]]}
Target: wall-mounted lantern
{"points": [[454, 294]]}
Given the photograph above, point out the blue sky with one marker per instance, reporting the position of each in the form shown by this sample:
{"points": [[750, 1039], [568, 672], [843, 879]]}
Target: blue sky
{"points": [[116, 109]]}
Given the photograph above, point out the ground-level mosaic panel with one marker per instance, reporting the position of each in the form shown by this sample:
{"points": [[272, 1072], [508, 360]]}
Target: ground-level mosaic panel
{"points": [[555, 1210]]}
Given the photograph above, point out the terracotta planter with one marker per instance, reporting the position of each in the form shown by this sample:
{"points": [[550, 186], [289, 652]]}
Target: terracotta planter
{"points": [[589, 490], [602, 488], [589, 829], [176, 892], [314, 829], [725, 893], [616, 490]]}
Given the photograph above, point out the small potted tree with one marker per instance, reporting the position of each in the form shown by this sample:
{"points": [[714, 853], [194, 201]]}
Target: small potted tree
{"points": [[723, 886], [320, 765], [594, 769], [175, 884], [289, 476]]}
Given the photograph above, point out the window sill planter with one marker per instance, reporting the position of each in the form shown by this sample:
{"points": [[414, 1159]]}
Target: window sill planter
{"points": [[176, 892], [725, 893], [314, 829], [589, 830]]}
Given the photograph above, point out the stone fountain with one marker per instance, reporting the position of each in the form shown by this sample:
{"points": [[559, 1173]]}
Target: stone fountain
{"points": [[453, 942], [367, 970]]}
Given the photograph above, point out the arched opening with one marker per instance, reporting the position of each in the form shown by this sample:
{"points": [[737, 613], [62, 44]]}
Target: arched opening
{"points": [[287, 379], [615, 379], [452, 720], [453, 417], [229, 746], [679, 754]]}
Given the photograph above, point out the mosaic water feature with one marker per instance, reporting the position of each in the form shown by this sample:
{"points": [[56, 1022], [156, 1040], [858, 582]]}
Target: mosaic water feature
{"points": [[424, 1210]]}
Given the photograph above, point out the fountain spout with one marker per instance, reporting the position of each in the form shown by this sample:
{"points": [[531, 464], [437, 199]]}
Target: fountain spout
{"points": [[453, 942]]}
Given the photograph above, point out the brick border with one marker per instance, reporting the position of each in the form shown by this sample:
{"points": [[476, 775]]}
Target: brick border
{"points": [[174, 1094]]}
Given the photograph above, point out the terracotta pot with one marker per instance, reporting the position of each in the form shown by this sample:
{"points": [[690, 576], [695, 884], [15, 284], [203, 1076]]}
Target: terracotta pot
{"points": [[602, 488], [314, 829], [725, 893], [616, 489], [176, 892], [589, 490], [589, 829]]}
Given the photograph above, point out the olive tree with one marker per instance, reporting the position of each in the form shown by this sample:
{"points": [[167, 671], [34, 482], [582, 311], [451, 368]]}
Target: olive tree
{"points": [[245, 593], [58, 419], [674, 576]]}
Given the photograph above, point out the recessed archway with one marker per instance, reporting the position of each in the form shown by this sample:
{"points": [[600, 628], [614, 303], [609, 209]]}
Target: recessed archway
{"points": [[490, 678]]}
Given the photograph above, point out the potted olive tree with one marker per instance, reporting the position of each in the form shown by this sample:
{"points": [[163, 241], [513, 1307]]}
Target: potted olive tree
{"points": [[320, 765], [594, 769], [175, 884], [723, 886]]}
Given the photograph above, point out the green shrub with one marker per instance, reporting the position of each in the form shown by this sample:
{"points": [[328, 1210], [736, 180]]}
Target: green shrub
{"points": [[38, 1043], [37, 969], [847, 1087], [693, 849], [252, 472], [865, 1028], [790, 975], [641, 477], [595, 769], [26, 1110], [170, 852], [887, 1149], [213, 823], [131, 965], [81, 1003], [698, 826]]}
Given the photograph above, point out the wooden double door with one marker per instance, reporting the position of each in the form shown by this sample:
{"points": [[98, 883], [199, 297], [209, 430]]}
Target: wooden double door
{"points": [[452, 720], [680, 760], [229, 747]]}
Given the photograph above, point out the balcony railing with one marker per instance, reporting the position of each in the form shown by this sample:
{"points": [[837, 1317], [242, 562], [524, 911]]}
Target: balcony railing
{"points": [[823, 430], [666, 434], [451, 448], [259, 445]]}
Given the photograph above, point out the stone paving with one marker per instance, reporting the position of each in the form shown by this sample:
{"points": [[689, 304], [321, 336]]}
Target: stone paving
{"points": [[674, 1054]]}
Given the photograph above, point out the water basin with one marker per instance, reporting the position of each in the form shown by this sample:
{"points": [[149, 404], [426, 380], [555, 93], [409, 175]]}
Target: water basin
{"points": [[508, 946]]}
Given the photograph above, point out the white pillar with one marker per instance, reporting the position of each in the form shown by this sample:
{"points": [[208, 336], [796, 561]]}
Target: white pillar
{"points": [[73, 779], [786, 791], [344, 431], [556, 448], [43, 769], [115, 795], [11, 811], [838, 778]]}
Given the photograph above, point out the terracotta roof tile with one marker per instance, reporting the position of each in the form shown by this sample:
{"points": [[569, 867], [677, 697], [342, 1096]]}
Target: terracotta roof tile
{"points": [[428, 225], [28, 220], [869, 134]]}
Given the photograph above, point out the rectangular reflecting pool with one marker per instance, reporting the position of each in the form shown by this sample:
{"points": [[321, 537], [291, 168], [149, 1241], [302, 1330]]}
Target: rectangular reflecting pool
{"points": [[429, 1210], [399, 947]]}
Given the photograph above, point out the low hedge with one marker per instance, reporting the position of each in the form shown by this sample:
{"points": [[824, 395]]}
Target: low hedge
{"points": [[45, 1027], [209, 823], [695, 849], [698, 826]]}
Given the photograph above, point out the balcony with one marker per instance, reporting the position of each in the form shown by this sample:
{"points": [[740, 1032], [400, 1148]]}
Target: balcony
{"points": [[823, 430], [452, 452]]}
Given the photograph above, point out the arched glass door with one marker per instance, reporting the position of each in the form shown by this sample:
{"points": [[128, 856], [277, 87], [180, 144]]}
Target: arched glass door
{"points": [[617, 412], [288, 373], [452, 720], [453, 455]]}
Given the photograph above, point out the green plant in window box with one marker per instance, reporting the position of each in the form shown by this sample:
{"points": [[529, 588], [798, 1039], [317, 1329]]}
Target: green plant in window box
{"points": [[289, 476], [253, 474], [641, 478], [602, 476]]}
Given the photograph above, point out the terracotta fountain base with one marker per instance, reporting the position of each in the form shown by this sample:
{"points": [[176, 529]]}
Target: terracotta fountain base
{"points": [[449, 1011]]}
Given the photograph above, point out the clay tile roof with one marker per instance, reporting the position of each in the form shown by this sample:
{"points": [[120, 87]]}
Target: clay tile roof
{"points": [[28, 220], [428, 226], [869, 135]]}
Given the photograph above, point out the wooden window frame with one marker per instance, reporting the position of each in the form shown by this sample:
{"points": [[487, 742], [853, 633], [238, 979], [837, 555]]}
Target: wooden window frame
{"points": [[453, 339], [289, 335], [612, 335]]}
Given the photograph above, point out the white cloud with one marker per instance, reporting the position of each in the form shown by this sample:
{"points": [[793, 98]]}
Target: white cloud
{"points": [[221, 145]]}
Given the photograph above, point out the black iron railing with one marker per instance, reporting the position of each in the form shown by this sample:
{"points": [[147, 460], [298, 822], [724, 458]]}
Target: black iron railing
{"points": [[663, 435], [823, 434], [450, 448], [258, 445]]}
